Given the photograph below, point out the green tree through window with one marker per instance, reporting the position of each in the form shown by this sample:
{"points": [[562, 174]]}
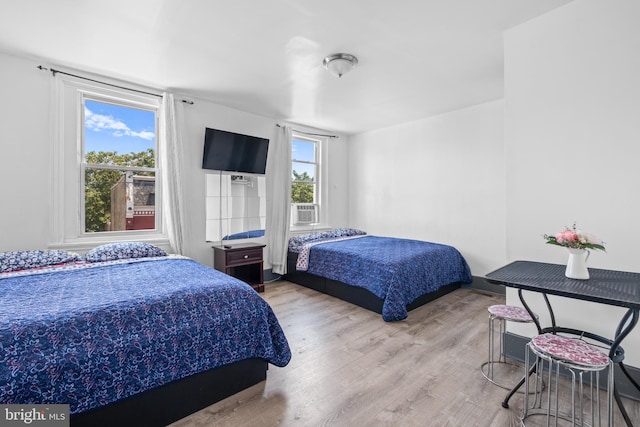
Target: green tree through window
{"points": [[302, 188], [100, 181]]}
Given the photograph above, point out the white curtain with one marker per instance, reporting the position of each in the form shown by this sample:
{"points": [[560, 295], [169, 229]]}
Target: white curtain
{"points": [[170, 144], [279, 199]]}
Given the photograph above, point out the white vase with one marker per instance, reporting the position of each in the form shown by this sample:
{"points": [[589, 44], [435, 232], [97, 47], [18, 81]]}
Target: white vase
{"points": [[577, 264]]}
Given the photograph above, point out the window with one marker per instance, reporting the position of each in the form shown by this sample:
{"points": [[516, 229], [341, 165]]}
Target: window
{"points": [[304, 170], [305, 194], [119, 159], [106, 181]]}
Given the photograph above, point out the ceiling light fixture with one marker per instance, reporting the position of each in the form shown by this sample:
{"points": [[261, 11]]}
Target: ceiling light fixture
{"points": [[340, 63]]}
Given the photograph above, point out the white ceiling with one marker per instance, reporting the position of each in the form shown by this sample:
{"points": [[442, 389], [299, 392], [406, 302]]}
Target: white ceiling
{"points": [[416, 58]]}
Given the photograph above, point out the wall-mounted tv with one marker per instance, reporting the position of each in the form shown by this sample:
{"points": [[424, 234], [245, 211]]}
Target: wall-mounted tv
{"points": [[234, 152]]}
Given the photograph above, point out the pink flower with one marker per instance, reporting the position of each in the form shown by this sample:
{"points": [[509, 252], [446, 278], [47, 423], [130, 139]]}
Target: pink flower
{"points": [[566, 236]]}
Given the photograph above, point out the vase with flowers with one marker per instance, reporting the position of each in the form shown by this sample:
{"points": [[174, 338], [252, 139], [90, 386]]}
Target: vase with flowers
{"points": [[578, 243]]}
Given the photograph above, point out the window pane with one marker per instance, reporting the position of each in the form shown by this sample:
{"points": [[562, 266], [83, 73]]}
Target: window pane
{"points": [[303, 150], [302, 192], [122, 131], [119, 200], [116, 135], [302, 172]]}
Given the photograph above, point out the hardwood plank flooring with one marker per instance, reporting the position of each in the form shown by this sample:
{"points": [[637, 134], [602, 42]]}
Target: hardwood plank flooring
{"points": [[350, 368]]}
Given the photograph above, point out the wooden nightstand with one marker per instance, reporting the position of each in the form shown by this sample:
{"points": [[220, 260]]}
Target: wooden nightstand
{"points": [[243, 261]]}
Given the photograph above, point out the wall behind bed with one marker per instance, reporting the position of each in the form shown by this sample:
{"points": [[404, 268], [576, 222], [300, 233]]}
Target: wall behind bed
{"points": [[440, 179], [25, 141]]}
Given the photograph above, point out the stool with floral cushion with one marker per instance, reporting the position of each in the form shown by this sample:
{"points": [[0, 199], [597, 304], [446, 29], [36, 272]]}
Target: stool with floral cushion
{"points": [[502, 313], [579, 358]]}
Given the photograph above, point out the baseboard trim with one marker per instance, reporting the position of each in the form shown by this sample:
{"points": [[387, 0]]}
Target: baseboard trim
{"points": [[270, 276], [514, 348], [480, 284]]}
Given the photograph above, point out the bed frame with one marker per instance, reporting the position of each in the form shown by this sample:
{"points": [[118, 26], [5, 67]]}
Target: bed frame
{"points": [[353, 294], [169, 403]]}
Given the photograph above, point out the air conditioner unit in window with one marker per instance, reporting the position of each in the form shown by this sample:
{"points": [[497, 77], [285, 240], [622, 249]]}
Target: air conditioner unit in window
{"points": [[304, 213]]}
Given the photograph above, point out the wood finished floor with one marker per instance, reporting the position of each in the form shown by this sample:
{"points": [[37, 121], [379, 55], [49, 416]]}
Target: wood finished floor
{"points": [[350, 368]]}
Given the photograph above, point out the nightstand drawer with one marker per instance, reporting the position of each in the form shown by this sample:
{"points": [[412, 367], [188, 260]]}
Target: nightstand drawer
{"points": [[244, 256]]}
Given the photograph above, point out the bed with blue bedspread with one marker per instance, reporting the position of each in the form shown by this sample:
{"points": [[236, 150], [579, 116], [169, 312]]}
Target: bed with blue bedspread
{"points": [[388, 275], [95, 332]]}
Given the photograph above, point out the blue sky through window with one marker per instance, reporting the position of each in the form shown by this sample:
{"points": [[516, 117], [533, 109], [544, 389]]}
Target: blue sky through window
{"points": [[109, 127], [305, 151]]}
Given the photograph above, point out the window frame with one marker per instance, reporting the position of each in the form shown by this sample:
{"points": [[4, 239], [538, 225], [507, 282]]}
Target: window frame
{"points": [[316, 165], [84, 165], [320, 198], [68, 180]]}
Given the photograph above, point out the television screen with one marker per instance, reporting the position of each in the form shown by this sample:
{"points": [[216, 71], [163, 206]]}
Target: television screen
{"points": [[234, 152]]}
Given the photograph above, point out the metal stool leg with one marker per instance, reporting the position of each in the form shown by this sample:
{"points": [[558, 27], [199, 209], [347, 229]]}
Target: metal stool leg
{"points": [[538, 384], [502, 357], [556, 395], [525, 408], [491, 345]]}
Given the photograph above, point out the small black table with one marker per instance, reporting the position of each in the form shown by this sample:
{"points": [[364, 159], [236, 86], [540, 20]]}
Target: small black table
{"points": [[618, 288]]}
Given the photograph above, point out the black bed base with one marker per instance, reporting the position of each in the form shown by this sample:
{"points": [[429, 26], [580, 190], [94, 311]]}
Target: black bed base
{"points": [[353, 294], [169, 403]]}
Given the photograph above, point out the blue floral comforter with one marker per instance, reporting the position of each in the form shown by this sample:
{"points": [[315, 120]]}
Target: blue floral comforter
{"points": [[91, 334], [395, 270]]}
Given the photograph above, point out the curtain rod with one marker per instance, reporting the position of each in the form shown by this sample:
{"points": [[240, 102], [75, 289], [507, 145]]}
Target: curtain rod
{"points": [[311, 134], [54, 72]]}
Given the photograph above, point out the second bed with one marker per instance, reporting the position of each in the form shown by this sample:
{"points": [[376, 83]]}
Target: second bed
{"points": [[388, 275]]}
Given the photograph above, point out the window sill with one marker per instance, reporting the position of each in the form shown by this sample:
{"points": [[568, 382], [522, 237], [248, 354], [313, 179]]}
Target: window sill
{"points": [[303, 229]]}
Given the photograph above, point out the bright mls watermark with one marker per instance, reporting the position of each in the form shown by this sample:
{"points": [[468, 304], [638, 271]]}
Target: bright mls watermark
{"points": [[34, 415]]}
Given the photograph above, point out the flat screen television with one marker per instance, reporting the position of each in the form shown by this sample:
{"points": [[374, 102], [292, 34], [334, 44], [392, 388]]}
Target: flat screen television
{"points": [[234, 152]]}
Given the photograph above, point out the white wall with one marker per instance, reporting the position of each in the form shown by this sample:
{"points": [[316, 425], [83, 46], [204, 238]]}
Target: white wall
{"points": [[25, 141], [439, 179], [25, 159], [572, 134]]}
